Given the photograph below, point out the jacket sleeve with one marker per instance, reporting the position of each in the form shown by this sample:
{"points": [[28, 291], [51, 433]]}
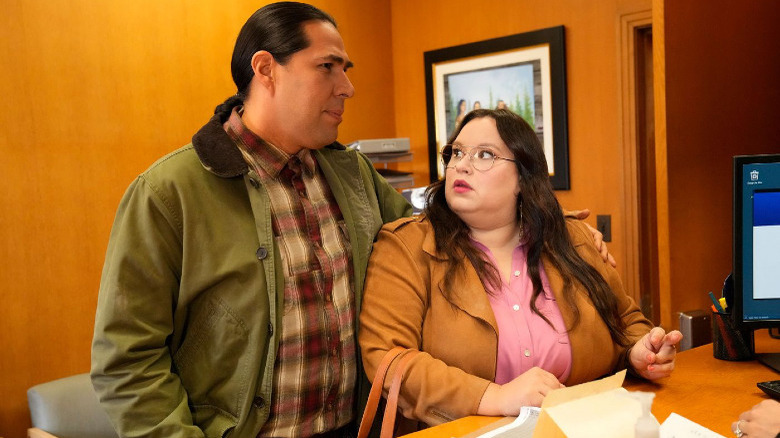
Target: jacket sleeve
{"points": [[392, 204], [131, 361], [395, 305], [637, 325]]}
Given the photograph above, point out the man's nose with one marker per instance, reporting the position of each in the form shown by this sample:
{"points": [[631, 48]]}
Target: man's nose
{"points": [[345, 88]]}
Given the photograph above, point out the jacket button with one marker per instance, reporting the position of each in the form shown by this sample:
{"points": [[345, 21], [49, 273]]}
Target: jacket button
{"points": [[258, 402], [254, 183], [261, 253], [270, 329]]}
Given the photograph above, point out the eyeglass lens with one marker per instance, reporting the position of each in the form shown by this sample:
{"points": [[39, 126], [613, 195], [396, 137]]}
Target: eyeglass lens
{"points": [[481, 159]]}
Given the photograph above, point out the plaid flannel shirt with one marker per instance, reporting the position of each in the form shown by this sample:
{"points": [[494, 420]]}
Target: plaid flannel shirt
{"points": [[314, 372]]}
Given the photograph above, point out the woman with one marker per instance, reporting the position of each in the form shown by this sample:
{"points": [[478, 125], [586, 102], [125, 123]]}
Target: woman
{"points": [[461, 113], [506, 299]]}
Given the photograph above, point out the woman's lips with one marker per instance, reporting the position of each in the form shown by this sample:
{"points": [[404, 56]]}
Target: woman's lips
{"points": [[460, 186]]}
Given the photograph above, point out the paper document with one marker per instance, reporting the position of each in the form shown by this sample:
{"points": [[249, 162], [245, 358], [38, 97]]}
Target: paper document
{"points": [[522, 427], [677, 426]]}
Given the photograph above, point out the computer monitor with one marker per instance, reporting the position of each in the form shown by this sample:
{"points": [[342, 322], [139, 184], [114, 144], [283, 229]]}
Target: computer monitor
{"points": [[756, 248], [757, 240]]}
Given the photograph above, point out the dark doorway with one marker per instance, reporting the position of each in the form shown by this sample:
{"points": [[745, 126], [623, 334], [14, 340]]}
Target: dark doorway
{"points": [[646, 186]]}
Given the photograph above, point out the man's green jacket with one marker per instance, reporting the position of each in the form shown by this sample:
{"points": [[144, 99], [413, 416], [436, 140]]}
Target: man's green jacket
{"points": [[192, 288]]}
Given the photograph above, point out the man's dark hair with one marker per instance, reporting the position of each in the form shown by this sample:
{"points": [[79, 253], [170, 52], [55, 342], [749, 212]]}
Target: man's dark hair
{"points": [[276, 28]]}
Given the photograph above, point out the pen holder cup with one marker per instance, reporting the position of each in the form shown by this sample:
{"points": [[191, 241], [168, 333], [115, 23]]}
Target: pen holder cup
{"points": [[729, 343]]}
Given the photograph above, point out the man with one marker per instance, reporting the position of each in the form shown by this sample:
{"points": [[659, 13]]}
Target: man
{"points": [[235, 265]]}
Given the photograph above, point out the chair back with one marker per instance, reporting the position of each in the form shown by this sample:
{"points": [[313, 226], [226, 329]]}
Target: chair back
{"points": [[69, 408]]}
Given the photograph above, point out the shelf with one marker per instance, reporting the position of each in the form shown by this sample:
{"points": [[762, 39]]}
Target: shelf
{"points": [[399, 180], [390, 157]]}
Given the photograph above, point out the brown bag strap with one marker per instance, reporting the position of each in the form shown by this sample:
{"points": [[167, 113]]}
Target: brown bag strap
{"points": [[376, 393], [388, 422]]}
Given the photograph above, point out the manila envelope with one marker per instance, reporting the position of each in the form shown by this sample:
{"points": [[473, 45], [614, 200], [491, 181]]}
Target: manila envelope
{"points": [[601, 408]]}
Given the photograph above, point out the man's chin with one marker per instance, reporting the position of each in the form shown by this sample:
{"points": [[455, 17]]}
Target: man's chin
{"points": [[330, 139], [322, 143]]}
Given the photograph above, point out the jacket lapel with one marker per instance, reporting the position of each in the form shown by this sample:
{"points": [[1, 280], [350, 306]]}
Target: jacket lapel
{"points": [[468, 295]]}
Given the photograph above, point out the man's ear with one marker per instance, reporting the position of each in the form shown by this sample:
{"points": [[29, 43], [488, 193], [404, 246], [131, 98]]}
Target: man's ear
{"points": [[262, 64]]}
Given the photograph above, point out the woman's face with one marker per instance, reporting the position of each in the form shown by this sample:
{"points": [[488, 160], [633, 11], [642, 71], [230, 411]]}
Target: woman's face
{"points": [[483, 199], [462, 106]]}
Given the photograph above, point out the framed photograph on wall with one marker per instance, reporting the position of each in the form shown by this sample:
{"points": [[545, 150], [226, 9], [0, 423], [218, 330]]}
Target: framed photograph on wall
{"points": [[525, 73]]}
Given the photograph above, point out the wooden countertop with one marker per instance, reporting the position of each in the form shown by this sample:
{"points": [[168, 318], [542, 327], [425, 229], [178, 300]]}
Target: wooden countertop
{"points": [[703, 389]]}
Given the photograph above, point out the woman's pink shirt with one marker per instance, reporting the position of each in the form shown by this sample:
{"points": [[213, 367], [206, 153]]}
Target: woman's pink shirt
{"points": [[525, 340]]}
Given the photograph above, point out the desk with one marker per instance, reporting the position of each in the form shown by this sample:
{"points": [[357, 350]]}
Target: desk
{"points": [[703, 389]]}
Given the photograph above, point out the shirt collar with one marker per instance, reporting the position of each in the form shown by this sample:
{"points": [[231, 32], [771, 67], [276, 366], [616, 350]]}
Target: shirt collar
{"points": [[269, 157]]}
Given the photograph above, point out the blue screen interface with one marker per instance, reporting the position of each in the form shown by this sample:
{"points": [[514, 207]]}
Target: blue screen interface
{"points": [[761, 241]]}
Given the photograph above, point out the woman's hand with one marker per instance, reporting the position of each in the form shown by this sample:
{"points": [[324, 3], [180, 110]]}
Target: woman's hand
{"points": [[653, 356], [763, 420], [527, 389]]}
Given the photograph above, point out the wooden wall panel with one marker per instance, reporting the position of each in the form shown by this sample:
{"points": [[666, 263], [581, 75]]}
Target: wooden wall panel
{"points": [[722, 92], [93, 93]]}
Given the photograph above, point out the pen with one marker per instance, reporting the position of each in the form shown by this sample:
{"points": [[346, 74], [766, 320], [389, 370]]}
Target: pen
{"points": [[723, 303], [716, 303]]}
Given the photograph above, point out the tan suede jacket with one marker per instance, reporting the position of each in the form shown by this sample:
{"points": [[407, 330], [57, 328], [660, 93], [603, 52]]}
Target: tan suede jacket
{"points": [[403, 306]]}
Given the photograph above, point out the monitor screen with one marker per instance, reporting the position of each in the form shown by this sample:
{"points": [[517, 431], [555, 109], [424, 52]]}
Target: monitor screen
{"points": [[757, 241]]}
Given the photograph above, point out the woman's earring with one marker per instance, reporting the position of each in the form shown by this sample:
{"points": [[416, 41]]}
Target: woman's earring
{"points": [[521, 212]]}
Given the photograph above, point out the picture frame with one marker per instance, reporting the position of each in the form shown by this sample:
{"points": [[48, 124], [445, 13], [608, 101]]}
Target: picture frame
{"points": [[527, 71]]}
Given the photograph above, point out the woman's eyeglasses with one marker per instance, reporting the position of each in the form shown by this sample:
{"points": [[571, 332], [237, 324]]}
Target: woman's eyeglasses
{"points": [[481, 158]]}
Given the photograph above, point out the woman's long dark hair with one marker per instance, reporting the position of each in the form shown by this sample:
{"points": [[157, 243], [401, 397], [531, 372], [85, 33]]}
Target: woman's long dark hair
{"points": [[543, 228], [277, 29]]}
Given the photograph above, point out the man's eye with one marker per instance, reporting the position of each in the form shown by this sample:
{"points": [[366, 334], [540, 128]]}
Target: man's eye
{"points": [[327, 65], [457, 153], [484, 154]]}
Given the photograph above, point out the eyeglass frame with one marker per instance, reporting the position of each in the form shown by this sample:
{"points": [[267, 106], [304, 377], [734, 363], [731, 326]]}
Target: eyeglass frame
{"points": [[471, 155]]}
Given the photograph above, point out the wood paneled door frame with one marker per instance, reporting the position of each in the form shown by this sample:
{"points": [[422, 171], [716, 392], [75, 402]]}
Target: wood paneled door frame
{"points": [[639, 162]]}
